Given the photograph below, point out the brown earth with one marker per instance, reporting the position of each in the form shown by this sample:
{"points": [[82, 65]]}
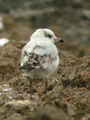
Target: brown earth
{"points": [[67, 99]]}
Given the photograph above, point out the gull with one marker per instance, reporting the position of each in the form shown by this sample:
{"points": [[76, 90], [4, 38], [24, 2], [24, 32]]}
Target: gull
{"points": [[39, 57], [3, 41]]}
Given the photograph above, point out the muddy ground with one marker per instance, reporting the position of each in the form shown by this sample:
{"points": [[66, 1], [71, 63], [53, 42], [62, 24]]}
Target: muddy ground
{"points": [[67, 99]]}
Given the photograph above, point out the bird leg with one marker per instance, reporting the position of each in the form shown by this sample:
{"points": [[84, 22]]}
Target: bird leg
{"points": [[30, 82], [46, 85]]}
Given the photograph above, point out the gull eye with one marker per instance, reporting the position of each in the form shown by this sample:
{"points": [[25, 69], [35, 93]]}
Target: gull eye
{"points": [[49, 36]]}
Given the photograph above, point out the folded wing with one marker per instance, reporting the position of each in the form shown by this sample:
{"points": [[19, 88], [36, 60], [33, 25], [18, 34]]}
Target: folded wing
{"points": [[38, 58]]}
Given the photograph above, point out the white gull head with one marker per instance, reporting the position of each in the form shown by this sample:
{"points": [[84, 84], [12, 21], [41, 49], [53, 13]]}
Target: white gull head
{"points": [[46, 34]]}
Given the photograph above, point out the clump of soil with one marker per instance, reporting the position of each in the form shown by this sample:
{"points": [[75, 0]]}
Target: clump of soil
{"points": [[67, 99]]}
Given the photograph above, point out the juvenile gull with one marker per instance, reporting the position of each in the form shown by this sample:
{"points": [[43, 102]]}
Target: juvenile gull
{"points": [[39, 57]]}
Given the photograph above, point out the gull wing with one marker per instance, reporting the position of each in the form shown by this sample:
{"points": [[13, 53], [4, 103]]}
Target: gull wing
{"points": [[39, 58]]}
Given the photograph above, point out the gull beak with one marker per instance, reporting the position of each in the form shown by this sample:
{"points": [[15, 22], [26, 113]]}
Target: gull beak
{"points": [[59, 40]]}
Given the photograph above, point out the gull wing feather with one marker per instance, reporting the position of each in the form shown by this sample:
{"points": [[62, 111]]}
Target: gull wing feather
{"points": [[39, 58]]}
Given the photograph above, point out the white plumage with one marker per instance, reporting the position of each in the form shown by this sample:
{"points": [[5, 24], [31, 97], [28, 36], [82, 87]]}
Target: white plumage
{"points": [[39, 56]]}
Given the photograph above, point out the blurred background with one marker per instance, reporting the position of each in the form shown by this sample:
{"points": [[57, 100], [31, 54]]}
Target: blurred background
{"points": [[71, 17]]}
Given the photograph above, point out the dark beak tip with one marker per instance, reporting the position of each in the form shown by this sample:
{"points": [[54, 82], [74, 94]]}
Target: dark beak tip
{"points": [[62, 41]]}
